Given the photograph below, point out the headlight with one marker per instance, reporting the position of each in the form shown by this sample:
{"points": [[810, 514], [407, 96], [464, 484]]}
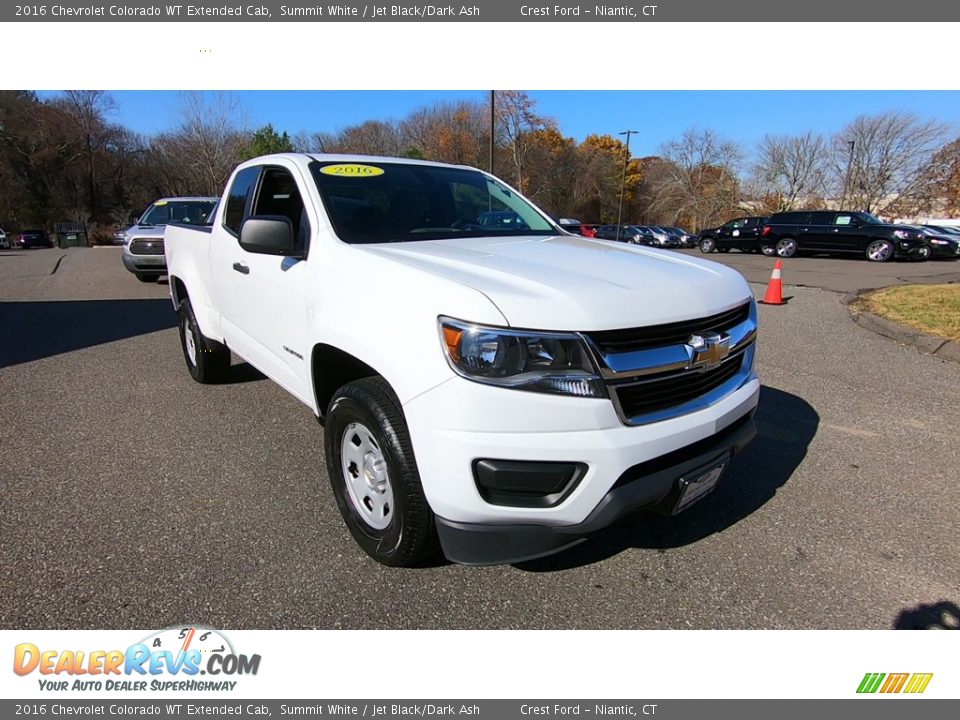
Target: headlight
{"points": [[904, 234], [937, 241], [547, 362]]}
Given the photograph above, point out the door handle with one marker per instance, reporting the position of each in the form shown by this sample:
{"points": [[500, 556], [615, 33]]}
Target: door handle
{"points": [[241, 268]]}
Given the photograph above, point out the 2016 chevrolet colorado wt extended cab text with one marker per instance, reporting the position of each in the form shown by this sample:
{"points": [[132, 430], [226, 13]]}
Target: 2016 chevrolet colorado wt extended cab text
{"points": [[506, 390]]}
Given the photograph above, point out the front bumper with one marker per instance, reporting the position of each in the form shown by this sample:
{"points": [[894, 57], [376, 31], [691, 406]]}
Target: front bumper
{"points": [[912, 249], [653, 484], [459, 422], [145, 263]]}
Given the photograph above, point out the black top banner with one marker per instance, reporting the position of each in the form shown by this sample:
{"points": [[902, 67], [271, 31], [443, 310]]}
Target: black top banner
{"points": [[737, 11]]}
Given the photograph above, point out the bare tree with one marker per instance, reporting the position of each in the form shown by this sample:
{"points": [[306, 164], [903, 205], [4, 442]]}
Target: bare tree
{"points": [[699, 178], [90, 108], [453, 132], [790, 170], [890, 156], [516, 124], [208, 143]]}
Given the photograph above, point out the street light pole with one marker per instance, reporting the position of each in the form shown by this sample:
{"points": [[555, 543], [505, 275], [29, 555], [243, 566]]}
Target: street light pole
{"points": [[846, 179], [623, 176]]}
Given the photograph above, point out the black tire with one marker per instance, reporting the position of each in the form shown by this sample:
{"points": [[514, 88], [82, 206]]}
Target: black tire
{"points": [[879, 251], [148, 277], [411, 536], [208, 361], [707, 245], [768, 250]]}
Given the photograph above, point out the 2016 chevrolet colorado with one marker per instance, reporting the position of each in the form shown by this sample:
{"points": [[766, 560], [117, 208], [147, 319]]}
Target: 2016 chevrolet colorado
{"points": [[505, 389]]}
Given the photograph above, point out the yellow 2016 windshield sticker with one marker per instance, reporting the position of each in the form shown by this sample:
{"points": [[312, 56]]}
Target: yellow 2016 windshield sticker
{"points": [[349, 170]]}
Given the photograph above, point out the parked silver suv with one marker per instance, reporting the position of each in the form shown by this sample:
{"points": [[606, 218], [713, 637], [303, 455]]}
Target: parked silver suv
{"points": [[143, 242]]}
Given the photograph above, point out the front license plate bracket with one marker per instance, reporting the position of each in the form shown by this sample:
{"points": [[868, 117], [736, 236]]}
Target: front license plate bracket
{"points": [[697, 484]]}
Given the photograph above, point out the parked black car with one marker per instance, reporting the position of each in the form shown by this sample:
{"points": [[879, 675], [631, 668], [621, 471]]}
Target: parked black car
{"points": [[943, 243], [786, 234], [628, 233], [742, 233], [35, 238]]}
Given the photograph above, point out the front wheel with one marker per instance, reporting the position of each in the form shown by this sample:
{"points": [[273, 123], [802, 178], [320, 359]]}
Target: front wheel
{"points": [[880, 251], [708, 245], [207, 360], [148, 277], [374, 475]]}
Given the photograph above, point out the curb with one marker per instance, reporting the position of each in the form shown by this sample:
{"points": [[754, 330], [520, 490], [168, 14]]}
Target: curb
{"points": [[938, 347]]}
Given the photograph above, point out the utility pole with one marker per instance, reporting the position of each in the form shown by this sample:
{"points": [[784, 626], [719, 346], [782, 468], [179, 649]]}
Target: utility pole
{"points": [[623, 177], [846, 179], [493, 125]]}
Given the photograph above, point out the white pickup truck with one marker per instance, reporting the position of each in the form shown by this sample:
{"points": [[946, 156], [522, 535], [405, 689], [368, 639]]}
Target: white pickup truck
{"points": [[506, 391]]}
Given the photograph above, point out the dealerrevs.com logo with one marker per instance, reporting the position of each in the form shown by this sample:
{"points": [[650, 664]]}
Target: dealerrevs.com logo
{"points": [[172, 659], [892, 683]]}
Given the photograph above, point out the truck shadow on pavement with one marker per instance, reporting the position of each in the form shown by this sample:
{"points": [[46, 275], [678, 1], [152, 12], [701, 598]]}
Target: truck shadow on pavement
{"points": [[37, 330], [786, 425], [943, 615]]}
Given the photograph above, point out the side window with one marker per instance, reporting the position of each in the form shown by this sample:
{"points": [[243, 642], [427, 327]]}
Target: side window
{"points": [[237, 198], [843, 219], [788, 218], [278, 195], [821, 218]]}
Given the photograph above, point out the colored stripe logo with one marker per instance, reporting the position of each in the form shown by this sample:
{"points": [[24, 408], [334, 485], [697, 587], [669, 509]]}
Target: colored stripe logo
{"points": [[913, 683]]}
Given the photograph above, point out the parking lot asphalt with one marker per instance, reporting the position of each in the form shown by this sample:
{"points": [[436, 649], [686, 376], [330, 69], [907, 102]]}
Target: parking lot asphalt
{"points": [[133, 497]]}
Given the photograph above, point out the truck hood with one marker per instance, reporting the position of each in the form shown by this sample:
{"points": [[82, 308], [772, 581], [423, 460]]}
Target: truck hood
{"points": [[575, 283]]}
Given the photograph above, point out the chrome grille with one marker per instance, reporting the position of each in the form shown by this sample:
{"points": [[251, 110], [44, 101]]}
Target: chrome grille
{"points": [[660, 393], [663, 371], [643, 338], [147, 246]]}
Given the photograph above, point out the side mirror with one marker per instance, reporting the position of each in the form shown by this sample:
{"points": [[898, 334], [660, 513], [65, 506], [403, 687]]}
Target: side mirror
{"points": [[268, 235]]}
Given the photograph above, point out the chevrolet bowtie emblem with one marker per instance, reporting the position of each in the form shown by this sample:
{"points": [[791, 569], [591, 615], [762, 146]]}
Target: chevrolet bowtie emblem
{"points": [[708, 350]]}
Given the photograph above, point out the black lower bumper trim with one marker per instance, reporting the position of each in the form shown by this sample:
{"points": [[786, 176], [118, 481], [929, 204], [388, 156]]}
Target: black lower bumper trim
{"points": [[651, 484]]}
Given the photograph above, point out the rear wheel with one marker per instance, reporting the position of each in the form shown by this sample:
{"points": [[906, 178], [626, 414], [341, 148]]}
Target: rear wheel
{"points": [[786, 248], [880, 251], [708, 245], [374, 476], [207, 360], [148, 277]]}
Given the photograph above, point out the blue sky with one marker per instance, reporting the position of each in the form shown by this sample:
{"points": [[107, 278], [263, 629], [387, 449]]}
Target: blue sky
{"points": [[741, 115]]}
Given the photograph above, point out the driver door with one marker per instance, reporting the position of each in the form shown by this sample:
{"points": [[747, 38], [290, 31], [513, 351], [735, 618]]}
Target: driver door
{"points": [[262, 297]]}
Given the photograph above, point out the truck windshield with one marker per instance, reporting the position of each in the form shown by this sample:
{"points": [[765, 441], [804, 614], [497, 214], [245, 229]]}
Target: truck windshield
{"points": [[374, 202], [869, 219], [188, 212]]}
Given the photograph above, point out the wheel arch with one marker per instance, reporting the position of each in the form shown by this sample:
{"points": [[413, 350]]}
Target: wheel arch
{"points": [[178, 290], [331, 368]]}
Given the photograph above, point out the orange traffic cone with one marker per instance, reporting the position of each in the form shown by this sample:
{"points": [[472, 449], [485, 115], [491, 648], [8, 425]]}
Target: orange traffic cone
{"points": [[774, 294]]}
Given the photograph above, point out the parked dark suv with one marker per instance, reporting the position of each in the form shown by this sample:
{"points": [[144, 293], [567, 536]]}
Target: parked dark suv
{"points": [[742, 233], [841, 233]]}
